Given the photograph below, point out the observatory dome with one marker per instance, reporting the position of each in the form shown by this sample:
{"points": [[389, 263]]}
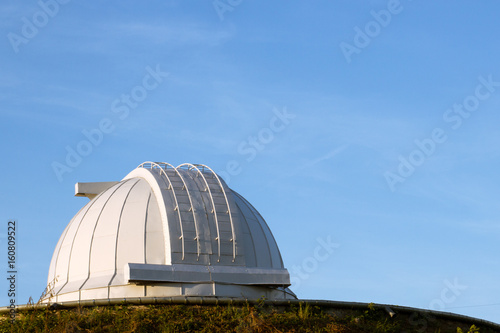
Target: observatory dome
{"points": [[166, 231]]}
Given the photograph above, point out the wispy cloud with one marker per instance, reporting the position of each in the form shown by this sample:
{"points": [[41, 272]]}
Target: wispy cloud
{"points": [[482, 227], [325, 157], [191, 33], [104, 37], [314, 162]]}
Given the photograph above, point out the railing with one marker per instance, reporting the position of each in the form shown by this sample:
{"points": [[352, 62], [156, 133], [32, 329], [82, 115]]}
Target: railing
{"points": [[204, 171]]}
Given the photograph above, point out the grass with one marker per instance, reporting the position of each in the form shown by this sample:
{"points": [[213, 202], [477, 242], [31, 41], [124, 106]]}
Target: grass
{"points": [[207, 318]]}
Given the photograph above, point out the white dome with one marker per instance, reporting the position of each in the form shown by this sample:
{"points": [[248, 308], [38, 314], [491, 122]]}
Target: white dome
{"points": [[162, 232]]}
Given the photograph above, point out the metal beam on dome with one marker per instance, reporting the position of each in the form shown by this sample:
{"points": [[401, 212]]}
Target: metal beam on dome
{"points": [[141, 273], [91, 190]]}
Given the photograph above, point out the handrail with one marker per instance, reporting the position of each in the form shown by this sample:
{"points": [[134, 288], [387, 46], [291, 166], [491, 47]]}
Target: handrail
{"points": [[233, 240], [213, 205], [164, 166], [192, 210]]}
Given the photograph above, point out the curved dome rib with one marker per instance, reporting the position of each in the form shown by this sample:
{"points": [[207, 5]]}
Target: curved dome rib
{"points": [[191, 209], [213, 211], [233, 239]]}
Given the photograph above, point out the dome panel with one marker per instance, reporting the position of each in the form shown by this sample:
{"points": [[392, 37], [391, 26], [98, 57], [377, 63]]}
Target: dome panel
{"points": [[271, 245], [60, 259], [106, 206], [103, 250], [257, 236], [154, 238], [130, 242]]}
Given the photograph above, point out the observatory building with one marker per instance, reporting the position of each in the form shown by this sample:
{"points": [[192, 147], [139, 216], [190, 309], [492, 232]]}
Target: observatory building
{"points": [[166, 231]]}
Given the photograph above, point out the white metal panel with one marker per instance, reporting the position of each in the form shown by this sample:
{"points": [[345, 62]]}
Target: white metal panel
{"points": [[195, 289], [260, 244], [160, 290], [81, 254], [103, 249], [126, 291], [277, 261], [94, 293], [159, 186], [51, 280], [248, 243], [78, 246], [61, 256], [155, 239], [97, 280], [80, 251], [73, 296], [131, 230]]}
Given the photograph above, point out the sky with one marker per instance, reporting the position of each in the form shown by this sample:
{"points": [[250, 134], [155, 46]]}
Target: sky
{"points": [[366, 133]]}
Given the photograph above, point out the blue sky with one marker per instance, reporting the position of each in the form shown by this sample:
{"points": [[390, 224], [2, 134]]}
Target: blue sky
{"points": [[386, 142]]}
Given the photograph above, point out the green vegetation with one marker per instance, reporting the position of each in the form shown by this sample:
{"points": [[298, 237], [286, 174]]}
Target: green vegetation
{"points": [[472, 329], [229, 318]]}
